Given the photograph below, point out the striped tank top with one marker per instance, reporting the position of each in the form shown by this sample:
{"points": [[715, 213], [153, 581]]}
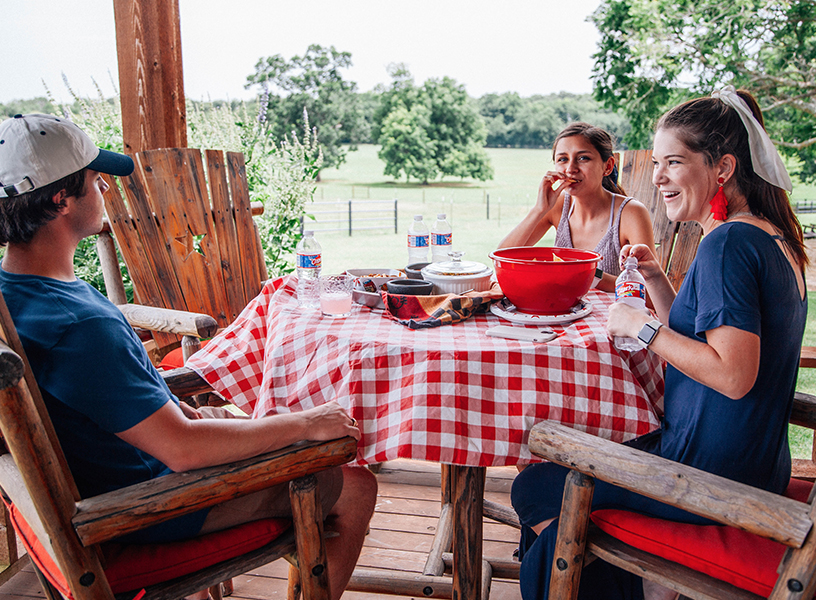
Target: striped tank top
{"points": [[608, 247]]}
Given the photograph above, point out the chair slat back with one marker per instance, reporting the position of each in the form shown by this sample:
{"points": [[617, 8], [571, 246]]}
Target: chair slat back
{"points": [[676, 242], [253, 266], [186, 233]]}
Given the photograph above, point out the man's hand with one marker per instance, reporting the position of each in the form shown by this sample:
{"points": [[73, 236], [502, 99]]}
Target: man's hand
{"points": [[189, 411], [328, 422]]}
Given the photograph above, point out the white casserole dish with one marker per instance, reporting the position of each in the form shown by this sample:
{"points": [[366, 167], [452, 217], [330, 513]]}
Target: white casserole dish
{"points": [[457, 276]]}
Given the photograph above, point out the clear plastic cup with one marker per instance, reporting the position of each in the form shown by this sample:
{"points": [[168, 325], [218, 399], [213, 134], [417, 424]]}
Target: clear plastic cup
{"points": [[335, 295]]}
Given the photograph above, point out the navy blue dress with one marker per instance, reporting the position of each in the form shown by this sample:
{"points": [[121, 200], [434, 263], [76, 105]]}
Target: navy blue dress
{"points": [[740, 278]]}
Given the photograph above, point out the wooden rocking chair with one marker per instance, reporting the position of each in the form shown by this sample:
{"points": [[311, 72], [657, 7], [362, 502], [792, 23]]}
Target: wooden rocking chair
{"points": [[185, 230], [700, 562], [69, 538]]}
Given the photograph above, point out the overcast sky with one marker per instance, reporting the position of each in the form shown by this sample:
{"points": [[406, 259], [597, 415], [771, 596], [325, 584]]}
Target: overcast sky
{"points": [[525, 46]]}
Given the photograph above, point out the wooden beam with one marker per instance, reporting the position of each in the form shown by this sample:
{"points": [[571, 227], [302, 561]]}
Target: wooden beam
{"points": [[151, 84]]}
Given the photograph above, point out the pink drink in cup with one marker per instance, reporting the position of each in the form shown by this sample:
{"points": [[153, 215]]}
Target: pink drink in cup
{"points": [[335, 295]]}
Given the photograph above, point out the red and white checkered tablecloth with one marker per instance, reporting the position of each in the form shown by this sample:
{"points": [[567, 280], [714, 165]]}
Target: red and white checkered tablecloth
{"points": [[450, 394]]}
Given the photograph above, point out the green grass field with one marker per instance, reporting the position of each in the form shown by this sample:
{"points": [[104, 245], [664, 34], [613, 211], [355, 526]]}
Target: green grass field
{"points": [[511, 193]]}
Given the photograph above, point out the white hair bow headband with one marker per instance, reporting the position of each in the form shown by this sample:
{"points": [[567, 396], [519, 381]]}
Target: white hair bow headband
{"points": [[766, 160]]}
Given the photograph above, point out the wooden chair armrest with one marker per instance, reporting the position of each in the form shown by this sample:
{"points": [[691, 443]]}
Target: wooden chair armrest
{"points": [[167, 320], [116, 513], [185, 382], [772, 516], [807, 359], [804, 410]]}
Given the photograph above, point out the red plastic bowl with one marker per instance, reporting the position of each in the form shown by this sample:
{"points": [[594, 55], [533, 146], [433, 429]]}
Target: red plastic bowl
{"points": [[536, 283]]}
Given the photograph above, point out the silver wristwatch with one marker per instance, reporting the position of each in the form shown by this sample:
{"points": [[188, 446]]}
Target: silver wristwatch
{"points": [[647, 333]]}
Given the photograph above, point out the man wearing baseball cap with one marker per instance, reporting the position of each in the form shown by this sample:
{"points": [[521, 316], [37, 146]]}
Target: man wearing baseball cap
{"points": [[116, 420]]}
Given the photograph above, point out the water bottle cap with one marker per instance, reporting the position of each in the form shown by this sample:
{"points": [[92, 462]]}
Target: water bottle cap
{"points": [[630, 262], [417, 217], [441, 216], [308, 232]]}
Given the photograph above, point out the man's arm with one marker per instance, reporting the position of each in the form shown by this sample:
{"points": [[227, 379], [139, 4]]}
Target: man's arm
{"points": [[183, 444]]}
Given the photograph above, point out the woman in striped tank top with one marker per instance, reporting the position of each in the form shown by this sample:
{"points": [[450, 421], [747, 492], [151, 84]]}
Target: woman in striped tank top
{"points": [[582, 200]]}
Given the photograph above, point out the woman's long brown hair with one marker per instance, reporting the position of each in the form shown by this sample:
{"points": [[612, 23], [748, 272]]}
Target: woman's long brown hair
{"points": [[712, 128]]}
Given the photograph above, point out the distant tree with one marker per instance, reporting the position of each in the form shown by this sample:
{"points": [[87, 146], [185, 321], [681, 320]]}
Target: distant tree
{"points": [[656, 53], [536, 125], [452, 133], [406, 146], [25, 107], [534, 122], [499, 112], [312, 82]]}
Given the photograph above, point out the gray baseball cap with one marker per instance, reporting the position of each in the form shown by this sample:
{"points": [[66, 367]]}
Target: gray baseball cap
{"points": [[36, 150]]}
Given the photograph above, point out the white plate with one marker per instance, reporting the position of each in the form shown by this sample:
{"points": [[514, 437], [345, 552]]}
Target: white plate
{"points": [[507, 310], [378, 277], [369, 299]]}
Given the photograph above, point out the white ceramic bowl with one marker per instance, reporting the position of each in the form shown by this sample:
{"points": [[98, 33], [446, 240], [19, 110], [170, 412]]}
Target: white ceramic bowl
{"points": [[457, 276]]}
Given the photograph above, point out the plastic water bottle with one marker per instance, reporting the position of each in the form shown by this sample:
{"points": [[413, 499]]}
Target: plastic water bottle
{"points": [[441, 239], [309, 258], [418, 241], [630, 287]]}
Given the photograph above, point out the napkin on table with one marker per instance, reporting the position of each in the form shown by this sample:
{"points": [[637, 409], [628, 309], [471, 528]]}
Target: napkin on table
{"points": [[422, 312]]}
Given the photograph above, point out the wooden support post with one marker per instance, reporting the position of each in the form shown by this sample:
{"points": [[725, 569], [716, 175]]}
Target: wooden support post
{"points": [[487, 579], [293, 589], [434, 565], [110, 268], [151, 83], [311, 552], [381, 583], [501, 513], [572, 530], [468, 498], [8, 550]]}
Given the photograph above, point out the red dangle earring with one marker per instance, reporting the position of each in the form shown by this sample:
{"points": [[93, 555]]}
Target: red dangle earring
{"points": [[719, 203]]}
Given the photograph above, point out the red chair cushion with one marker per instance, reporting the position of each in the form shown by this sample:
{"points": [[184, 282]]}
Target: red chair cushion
{"points": [[174, 359], [743, 559], [136, 566]]}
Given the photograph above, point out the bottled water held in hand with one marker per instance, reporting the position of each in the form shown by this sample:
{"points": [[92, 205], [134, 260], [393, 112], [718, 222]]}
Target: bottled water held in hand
{"points": [[630, 287], [441, 239], [308, 260], [418, 241]]}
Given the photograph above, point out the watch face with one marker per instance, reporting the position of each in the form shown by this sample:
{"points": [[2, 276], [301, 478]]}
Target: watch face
{"points": [[647, 333]]}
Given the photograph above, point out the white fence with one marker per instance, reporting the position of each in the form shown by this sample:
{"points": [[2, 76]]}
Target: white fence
{"points": [[352, 215]]}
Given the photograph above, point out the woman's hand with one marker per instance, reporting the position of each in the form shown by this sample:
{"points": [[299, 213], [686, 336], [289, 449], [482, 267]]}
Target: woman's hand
{"points": [[547, 196], [648, 265], [625, 321]]}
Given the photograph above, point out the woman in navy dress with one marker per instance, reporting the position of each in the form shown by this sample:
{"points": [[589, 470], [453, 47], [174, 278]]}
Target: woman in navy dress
{"points": [[731, 335]]}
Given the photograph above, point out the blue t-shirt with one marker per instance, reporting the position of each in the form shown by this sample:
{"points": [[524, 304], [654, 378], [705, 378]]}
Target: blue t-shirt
{"points": [[740, 278], [96, 381]]}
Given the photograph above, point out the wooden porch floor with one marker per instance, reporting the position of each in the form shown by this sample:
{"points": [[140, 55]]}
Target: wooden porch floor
{"points": [[402, 531]]}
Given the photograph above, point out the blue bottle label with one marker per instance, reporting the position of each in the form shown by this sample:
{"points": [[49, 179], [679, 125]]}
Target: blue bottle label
{"points": [[418, 241], [441, 239], [308, 261]]}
